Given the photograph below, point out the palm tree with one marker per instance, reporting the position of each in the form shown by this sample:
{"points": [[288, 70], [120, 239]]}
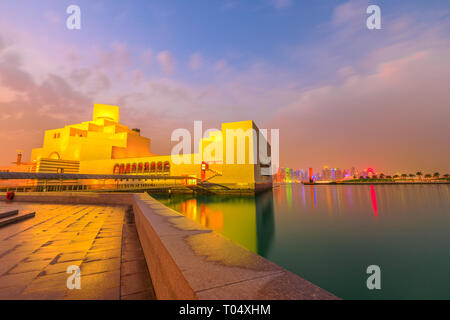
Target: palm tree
{"points": [[446, 175], [436, 174], [419, 174], [395, 176], [412, 175], [428, 175], [388, 177], [404, 175], [381, 175]]}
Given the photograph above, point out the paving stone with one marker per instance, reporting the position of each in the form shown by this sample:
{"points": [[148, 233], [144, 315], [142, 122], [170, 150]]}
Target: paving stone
{"points": [[60, 267], [144, 295], [29, 266], [100, 266], [11, 293], [103, 255], [134, 283], [18, 279], [93, 294], [35, 254], [43, 294], [135, 266]]}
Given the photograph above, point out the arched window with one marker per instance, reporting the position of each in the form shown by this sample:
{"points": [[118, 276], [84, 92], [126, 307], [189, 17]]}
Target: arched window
{"points": [[146, 167], [116, 169], [122, 169], [128, 168], [153, 167], [159, 166], [166, 166], [140, 166], [133, 168], [54, 155]]}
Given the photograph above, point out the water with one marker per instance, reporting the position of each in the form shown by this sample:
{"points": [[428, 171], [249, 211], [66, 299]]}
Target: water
{"points": [[330, 234]]}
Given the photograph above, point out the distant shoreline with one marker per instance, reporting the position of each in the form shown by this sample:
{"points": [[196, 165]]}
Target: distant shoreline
{"points": [[375, 182]]}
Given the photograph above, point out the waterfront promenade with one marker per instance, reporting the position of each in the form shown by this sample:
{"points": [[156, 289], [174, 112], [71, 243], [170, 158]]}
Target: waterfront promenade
{"points": [[101, 240], [184, 259]]}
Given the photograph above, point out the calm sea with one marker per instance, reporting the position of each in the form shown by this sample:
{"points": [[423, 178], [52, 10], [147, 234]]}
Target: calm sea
{"points": [[330, 234]]}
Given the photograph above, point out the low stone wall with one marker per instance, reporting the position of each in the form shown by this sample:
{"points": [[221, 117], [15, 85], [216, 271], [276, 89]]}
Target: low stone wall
{"points": [[188, 261]]}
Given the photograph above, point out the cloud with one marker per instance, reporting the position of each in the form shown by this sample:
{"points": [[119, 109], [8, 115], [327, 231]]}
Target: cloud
{"points": [[52, 17], [348, 12], [280, 4], [370, 99], [80, 75], [2, 44], [147, 57], [72, 54], [195, 61], [12, 76], [166, 62], [117, 57], [221, 65], [393, 118]]}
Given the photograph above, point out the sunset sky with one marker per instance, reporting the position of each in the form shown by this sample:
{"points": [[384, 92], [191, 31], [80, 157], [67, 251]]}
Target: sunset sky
{"points": [[341, 95]]}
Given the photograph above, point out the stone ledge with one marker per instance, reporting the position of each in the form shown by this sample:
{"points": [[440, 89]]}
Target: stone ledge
{"points": [[188, 261]]}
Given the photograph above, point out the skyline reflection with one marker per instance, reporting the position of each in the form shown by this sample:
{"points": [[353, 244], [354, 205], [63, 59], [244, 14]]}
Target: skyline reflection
{"points": [[330, 234]]}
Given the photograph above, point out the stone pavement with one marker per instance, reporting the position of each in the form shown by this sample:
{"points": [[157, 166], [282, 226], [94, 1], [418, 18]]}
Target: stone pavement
{"points": [[101, 240]]}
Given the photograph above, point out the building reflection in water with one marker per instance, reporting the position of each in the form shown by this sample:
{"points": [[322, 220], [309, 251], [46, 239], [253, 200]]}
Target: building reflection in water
{"points": [[189, 208], [313, 194], [348, 192], [373, 196], [289, 195], [247, 220], [265, 222], [303, 196], [328, 232]]}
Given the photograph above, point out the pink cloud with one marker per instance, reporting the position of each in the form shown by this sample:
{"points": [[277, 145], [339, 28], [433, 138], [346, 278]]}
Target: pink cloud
{"points": [[394, 118], [195, 61], [147, 57], [52, 17], [166, 62], [117, 57]]}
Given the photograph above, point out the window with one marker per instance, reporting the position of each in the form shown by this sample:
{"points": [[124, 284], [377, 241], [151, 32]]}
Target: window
{"points": [[166, 166]]}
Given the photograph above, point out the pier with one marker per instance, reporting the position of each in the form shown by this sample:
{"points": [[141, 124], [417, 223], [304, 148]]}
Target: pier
{"points": [[61, 182]]}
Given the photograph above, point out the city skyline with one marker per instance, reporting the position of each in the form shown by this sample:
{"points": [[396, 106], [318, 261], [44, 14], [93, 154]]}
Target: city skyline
{"points": [[338, 92]]}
